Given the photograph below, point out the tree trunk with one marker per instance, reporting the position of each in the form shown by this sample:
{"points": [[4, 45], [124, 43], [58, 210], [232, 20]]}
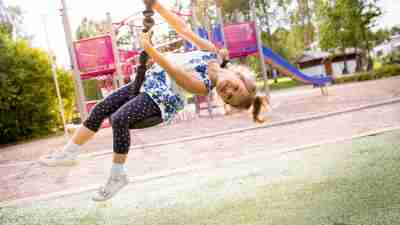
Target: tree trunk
{"points": [[345, 67]]}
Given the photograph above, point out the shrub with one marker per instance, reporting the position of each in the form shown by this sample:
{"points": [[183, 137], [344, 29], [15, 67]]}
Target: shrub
{"points": [[28, 102], [91, 90], [384, 71], [66, 84]]}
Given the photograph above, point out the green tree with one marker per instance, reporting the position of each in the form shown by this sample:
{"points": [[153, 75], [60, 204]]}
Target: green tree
{"points": [[347, 23], [90, 28], [17, 18], [368, 13], [336, 31], [6, 28], [302, 23], [395, 30], [16, 14], [280, 38], [380, 36], [28, 103], [67, 91], [231, 8]]}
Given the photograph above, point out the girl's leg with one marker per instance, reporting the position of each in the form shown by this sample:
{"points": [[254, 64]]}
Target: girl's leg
{"points": [[82, 135], [136, 110], [102, 110], [119, 158]]}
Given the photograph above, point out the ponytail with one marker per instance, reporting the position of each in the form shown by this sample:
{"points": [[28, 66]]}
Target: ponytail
{"points": [[253, 101], [259, 103]]}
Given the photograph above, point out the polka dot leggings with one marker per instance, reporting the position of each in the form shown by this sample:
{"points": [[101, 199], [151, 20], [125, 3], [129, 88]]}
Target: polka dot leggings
{"points": [[124, 110]]}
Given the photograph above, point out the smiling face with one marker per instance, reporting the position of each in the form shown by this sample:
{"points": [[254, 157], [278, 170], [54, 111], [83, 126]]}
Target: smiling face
{"points": [[231, 88], [236, 88], [232, 85]]}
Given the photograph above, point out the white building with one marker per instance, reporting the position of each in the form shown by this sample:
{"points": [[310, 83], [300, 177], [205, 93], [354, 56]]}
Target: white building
{"points": [[387, 47], [315, 63]]}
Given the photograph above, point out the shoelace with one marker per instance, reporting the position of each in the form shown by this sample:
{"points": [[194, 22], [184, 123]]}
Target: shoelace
{"points": [[103, 192]]}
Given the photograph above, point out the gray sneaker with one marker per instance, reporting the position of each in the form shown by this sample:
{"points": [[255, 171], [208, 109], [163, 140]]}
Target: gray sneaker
{"points": [[62, 158], [114, 184]]}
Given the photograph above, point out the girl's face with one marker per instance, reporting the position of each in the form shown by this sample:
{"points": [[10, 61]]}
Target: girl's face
{"points": [[231, 88]]}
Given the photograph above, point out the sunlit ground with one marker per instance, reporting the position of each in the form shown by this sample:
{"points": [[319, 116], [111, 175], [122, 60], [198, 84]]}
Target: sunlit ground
{"points": [[354, 182]]}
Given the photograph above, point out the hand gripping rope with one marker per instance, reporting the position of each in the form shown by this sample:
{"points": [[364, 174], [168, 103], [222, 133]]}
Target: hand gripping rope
{"points": [[148, 23]]}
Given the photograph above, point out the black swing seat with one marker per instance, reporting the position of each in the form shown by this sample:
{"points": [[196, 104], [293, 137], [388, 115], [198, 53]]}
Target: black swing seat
{"points": [[146, 123]]}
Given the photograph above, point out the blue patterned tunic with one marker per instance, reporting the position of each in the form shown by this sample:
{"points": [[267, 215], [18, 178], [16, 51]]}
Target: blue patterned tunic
{"points": [[165, 92]]}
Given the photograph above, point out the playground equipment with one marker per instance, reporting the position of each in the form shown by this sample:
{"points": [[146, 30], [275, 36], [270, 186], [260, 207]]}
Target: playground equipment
{"points": [[241, 41], [96, 60], [98, 56], [95, 57]]}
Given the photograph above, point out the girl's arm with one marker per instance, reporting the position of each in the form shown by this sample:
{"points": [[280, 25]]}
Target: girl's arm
{"points": [[183, 78], [181, 28]]}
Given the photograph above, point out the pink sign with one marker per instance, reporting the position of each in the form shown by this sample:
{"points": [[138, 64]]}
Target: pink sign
{"points": [[241, 39], [95, 56], [126, 55]]}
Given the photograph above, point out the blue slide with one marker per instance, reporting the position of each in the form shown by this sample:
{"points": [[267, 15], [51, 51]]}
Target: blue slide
{"points": [[283, 66]]}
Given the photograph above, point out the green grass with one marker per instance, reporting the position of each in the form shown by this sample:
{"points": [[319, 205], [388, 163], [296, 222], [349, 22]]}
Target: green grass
{"points": [[353, 182], [377, 65], [283, 83]]}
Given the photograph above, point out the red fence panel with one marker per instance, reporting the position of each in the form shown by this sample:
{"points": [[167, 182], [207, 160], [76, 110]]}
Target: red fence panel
{"points": [[95, 56], [241, 39]]}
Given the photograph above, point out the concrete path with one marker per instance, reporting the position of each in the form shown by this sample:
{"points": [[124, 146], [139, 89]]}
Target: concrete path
{"points": [[27, 180], [288, 104], [22, 178]]}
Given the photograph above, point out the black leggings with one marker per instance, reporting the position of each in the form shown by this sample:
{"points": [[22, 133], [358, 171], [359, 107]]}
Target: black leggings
{"points": [[125, 111]]}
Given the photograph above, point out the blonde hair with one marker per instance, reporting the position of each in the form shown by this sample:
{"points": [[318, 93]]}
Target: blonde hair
{"points": [[254, 101]]}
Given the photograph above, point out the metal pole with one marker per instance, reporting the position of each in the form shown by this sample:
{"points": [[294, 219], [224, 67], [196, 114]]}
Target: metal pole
{"points": [[196, 23], [221, 21], [207, 20], [117, 60], [259, 46], [54, 73], [74, 64], [133, 31]]}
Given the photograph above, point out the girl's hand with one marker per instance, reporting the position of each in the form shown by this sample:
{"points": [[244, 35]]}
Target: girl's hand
{"points": [[149, 2], [213, 67], [144, 40], [223, 53]]}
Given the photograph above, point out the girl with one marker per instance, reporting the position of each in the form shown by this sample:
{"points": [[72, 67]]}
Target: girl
{"points": [[161, 97]]}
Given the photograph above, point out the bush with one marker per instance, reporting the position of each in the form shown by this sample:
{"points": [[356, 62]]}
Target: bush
{"points": [[28, 102], [67, 90], [91, 90], [384, 71]]}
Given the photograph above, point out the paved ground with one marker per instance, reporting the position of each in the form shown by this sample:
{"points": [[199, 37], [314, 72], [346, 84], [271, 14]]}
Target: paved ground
{"points": [[25, 180], [22, 179], [288, 104], [350, 182]]}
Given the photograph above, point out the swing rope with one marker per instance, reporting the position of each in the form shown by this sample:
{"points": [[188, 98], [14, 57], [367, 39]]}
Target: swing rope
{"points": [[148, 23]]}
